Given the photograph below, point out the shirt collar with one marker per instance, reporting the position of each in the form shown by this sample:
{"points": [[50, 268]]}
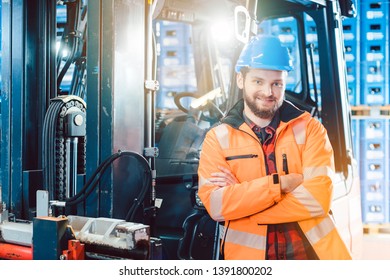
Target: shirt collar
{"points": [[273, 124]]}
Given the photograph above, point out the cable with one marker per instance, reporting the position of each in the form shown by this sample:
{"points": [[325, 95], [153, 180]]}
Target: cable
{"points": [[68, 62], [74, 36], [103, 165], [138, 200], [94, 179]]}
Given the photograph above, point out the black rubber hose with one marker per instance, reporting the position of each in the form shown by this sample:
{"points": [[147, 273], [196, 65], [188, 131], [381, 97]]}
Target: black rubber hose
{"points": [[88, 188], [138, 200], [68, 62], [103, 165]]}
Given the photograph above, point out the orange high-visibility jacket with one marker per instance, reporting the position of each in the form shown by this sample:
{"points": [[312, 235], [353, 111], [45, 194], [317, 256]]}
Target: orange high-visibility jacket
{"points": [[248, 207]]}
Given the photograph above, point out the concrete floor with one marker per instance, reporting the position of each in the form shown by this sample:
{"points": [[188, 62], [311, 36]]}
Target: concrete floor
{"points": [[376, 246]]}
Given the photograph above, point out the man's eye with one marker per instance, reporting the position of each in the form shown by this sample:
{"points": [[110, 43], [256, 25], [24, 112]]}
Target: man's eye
{"points": [[278, 84]]}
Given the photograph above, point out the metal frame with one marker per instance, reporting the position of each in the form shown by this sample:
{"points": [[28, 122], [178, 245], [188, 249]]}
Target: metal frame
{"points": [[27, 71], [115, 97], [12, 103]]}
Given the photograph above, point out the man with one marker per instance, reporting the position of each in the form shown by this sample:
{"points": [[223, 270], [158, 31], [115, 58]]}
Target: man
{"points": [[265, 172]]}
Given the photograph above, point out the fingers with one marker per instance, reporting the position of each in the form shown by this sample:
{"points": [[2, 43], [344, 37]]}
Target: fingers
{"points": [[223, 178], [290, 182], [218, 174], [221, 182]]}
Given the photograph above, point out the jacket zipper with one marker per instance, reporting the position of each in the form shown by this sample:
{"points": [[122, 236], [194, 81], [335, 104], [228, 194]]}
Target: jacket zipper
{"points": [[242, 156], [285, 164]]}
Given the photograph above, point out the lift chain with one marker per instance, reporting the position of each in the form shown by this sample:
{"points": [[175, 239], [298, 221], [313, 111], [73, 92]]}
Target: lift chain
{"points": [[56, 148]]}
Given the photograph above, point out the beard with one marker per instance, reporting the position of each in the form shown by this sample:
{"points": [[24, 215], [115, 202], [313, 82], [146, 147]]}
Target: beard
{"points": [[259, 112]]}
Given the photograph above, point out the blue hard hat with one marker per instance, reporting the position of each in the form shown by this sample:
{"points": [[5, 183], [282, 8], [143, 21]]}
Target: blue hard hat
{"points": [[265, 52]]}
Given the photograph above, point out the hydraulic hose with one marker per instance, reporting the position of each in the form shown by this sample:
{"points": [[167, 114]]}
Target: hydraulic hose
{"points": [[94, 180]]}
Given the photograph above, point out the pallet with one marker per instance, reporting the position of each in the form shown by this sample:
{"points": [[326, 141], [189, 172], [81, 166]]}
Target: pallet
{"points": [[365, 111], [376, 228]]}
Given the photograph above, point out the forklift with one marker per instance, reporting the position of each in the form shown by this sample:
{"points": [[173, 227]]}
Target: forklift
{"points": [[105, 104]]}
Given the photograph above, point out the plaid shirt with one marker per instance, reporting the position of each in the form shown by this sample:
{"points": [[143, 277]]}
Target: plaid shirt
{"points": [[284, 241]]}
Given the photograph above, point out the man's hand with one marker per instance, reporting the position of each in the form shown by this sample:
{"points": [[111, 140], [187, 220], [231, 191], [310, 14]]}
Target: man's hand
{"points": [[223, 178], [289, 182]]}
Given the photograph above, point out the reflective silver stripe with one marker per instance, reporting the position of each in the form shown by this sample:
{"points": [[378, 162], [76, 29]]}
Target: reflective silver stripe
{"points": [[299, 129], [221, 231], [221, 131], [203, 181], [216, 204], [311, 172], [306, 199], [320, 231], [246, 239], [215, 200]]}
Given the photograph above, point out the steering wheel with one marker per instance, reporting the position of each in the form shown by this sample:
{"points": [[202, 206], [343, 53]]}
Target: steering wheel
{"points": [[178, 97], [214, 113]]}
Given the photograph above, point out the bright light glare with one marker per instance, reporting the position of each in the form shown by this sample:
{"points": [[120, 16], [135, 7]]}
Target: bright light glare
{"points": [[201, 101], [65, 51], [58, 44], [222, 31]]}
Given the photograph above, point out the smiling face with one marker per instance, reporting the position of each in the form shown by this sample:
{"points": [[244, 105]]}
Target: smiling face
{"points": [[263, 92]]}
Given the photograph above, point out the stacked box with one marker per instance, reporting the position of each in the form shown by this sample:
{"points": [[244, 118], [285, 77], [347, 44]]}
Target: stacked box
{"points": [[374, 91], [176, 72], [374, 52], [374, 162]]}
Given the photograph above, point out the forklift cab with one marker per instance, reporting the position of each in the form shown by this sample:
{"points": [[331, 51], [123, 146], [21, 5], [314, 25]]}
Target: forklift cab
{"points": [[197, 88]]}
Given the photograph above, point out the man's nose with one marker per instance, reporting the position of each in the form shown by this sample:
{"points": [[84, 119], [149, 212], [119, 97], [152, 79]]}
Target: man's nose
{"points": [[267, 90]]}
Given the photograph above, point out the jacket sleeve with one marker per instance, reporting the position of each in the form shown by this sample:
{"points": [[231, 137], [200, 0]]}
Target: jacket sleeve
{"points": [[234, 201], [313, 197]]}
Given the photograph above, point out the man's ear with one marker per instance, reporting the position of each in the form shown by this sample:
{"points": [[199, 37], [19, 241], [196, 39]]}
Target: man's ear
{"points": [[240, 80]]}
